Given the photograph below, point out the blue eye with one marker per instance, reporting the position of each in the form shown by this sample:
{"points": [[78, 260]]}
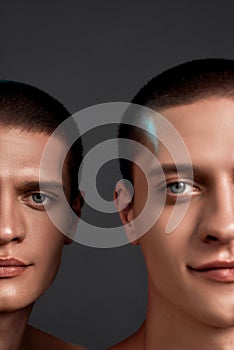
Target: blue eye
{"points": [[180, 187], [39, 198]]}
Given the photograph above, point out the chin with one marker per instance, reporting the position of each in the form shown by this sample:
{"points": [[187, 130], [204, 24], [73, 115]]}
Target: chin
{"points": [[223, 321], [14, 305], [218, 318], [14, 299]]}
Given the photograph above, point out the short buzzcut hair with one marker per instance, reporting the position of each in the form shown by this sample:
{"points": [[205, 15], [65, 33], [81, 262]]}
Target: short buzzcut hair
{"points": [[183, 84], [30, 109]]}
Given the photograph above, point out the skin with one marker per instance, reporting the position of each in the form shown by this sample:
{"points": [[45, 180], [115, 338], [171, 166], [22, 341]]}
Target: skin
{"points": [[27, 234], [187, 310]]}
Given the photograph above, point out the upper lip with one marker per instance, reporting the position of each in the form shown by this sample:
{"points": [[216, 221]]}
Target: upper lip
{"points": [[214, 265], [10, 261]]}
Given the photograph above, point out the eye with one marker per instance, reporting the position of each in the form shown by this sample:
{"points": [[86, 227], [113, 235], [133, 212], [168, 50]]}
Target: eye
{"points": [[39, 198], [180, 187]]}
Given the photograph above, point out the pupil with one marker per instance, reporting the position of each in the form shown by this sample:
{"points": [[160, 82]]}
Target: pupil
{"points": [[38, 198], [178, 187]]}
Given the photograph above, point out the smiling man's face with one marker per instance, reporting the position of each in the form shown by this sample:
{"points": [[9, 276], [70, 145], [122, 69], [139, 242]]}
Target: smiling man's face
{"points": [[30, 244], [191, 270]]}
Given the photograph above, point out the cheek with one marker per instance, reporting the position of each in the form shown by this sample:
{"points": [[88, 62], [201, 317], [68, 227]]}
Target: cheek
{"points": [[150, 212], [140, 190], [164, 253], [42, 225], [48, 256], [44, 239]]}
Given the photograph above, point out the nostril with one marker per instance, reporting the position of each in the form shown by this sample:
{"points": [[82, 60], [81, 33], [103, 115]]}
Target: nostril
{"points": [[211, 238]]}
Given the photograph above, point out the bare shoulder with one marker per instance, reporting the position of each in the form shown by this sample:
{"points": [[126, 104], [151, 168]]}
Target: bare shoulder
{"points": [[36, 339], [136, 342]]}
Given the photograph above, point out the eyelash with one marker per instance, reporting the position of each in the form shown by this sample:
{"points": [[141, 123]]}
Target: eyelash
{"points": [[184, 193], [42, 205]]}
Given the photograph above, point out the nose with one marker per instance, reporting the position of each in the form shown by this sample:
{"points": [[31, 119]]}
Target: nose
{"points": [[217, 224], [11, 221]]}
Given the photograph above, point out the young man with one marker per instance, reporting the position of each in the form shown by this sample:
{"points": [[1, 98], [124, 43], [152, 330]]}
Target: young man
{"points": [[30, 244], [190, 269]]}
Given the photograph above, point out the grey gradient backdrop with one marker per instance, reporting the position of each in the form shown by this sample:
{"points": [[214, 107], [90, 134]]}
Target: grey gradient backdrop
{"points": [[89, 52]]}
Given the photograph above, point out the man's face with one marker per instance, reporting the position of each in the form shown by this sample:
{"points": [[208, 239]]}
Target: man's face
{"points": [[205, 235], [30, 245]]}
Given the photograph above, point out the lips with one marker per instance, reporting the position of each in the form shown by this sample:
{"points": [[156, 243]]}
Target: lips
{"points": [[221, 271], [11, 267]]}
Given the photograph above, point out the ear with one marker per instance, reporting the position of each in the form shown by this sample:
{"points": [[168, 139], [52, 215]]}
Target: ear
{"points": [[76, 205], [124, 205]]}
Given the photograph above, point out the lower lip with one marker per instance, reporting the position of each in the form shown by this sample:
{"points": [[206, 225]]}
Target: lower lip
{"points": [[220, 275], [11, 271]]}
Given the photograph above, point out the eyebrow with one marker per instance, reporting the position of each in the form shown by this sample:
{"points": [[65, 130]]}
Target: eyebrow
{"points": [[36, 185], [174, 168]]}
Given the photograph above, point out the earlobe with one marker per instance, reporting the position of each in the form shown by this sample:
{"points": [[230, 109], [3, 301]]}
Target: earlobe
{"points": [[67, 241], [124, 204]]}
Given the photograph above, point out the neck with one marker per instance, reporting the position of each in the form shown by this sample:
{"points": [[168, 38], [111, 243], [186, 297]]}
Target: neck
{"points": [[167, 327], [12, 328]]}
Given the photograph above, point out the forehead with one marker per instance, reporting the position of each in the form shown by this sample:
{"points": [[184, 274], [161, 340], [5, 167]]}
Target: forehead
{"points": [[15, 141], [202, 115], [21, 152], [206, 129]]}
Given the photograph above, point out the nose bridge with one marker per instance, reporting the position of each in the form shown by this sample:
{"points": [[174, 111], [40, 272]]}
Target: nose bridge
{"points": [[218, 216], [224, 202], [11, 223]]}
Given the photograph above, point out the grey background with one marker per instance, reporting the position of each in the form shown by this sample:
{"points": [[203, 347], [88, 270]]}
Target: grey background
{"points": [[89, 52]]}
